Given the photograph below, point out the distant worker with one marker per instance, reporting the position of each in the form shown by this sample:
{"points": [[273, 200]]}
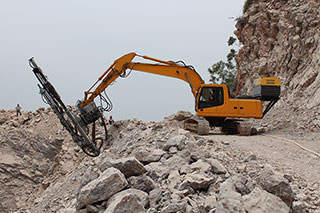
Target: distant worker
{"points": [[18, 110], [111, 121]]}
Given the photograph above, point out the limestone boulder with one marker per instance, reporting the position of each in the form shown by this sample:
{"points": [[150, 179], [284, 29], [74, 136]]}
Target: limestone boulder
{"points": [[197, 181], [229, 200], [260, 201], [217, 167], [275, 183], [107, 184], [176, 141], [149, 155], [130, 200], [143, 182], [129, 166]]}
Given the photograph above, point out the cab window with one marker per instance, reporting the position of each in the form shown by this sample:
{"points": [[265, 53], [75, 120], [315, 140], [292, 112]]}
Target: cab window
{"points": [[210, 96]]}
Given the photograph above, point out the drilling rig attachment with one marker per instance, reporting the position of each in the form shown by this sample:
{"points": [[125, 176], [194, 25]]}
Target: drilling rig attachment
{"points": [[76, 125]]}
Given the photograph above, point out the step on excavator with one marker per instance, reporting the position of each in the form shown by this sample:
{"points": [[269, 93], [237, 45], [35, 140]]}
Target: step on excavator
{"points": [[213, 104]]}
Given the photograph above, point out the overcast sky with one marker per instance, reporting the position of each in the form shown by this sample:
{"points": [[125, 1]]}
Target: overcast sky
{"points": [[75, 41]]}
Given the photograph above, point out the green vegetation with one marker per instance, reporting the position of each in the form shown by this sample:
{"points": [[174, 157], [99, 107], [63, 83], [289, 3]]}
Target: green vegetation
{"points": [[225, 72]]}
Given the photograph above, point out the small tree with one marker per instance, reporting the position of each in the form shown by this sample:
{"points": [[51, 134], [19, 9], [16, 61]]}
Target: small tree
{"points": [[225, 72]]}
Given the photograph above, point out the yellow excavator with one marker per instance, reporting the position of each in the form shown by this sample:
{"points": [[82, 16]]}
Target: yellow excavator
{"points": [[213, 105]]}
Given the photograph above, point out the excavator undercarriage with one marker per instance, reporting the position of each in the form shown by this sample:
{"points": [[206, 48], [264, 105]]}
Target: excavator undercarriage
{"points": [[234, 126], [201, 126], [197, 124]]}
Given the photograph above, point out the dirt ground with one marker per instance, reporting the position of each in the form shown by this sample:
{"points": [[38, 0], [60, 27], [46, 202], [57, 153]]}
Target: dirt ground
{"points": [[278, 148]]}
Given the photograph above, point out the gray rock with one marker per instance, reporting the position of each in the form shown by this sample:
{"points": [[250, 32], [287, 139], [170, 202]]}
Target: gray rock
{"points": [[196, 202], [228, 199], [88, 176], [299, 207], [197, 181], [260, 201], [217, 167], [130, 200], [175, 208], [174, 162], [154, 197], [251, 158], [3, 119], [201, 166], [142, 182], [174, 179], [240, 182], [177, 141], [93, 209], [189, 209], [104, 163], [152, 210], [210, 203], [129, 166], [148, 156], [173, 150], [109, 183], [276, 184], [182, 115], [185, 169], [157, 170]]}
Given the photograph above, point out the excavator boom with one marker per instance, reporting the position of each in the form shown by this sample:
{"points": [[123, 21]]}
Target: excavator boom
{"points": [[163, 68]]}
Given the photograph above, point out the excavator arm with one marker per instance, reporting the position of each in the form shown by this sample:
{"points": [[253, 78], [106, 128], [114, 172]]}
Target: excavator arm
{"points": [[159, 67]]}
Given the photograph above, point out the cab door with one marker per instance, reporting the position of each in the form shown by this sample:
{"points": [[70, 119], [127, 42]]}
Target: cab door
{"points": [[210, 97]]}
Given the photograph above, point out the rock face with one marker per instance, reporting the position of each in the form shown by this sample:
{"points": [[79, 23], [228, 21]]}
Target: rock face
{"points": [[282, 38], [26, 158]]}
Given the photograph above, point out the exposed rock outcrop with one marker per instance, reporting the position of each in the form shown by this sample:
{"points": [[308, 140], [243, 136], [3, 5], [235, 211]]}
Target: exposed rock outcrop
{"points": [[282, 38]]}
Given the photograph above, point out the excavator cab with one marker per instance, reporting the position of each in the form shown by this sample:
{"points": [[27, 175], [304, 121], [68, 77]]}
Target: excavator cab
{"points": [[210, 96]]}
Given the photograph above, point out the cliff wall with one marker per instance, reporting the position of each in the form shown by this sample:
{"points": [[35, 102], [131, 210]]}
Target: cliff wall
{"points": [[282, 38]]}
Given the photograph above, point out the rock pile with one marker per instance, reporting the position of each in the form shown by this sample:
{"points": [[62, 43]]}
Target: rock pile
{"points": [[159, 167]]}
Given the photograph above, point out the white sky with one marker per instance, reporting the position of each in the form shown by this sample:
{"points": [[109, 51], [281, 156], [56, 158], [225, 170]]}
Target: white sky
{"points": [[75, 41]]}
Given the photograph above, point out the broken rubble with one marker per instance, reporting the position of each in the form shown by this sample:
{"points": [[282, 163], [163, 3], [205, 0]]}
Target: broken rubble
{"points": [[130, 200], [142, 182], [175, 208], [229, 200], [217, 167], [176, 141], [107, 184], [263, 202], [129, 166], [207, 178], [196, 181], [275, 183], [210, 203], [147, 156]]}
